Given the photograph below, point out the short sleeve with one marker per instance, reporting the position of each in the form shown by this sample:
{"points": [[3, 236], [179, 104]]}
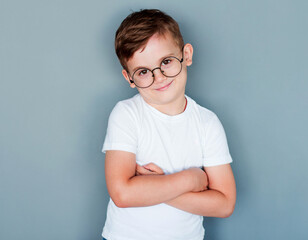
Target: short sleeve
{"points": [[216, 151], [121, 131]]}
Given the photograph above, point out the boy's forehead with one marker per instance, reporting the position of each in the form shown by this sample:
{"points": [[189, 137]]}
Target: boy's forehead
{"points": [[157, 47]]}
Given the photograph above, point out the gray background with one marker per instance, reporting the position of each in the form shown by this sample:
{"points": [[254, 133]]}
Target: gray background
{"points": [[60, 79]]}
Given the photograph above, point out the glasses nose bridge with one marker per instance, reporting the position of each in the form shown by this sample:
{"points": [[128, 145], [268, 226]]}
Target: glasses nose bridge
{"points": [[152, 71]]}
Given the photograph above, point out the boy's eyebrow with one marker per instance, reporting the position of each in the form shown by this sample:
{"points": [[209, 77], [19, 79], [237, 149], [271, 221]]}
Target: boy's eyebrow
{"points": [[168, 55]]}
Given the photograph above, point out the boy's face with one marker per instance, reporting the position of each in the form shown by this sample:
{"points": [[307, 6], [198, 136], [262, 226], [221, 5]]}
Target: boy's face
{"points": [[165, 91]]}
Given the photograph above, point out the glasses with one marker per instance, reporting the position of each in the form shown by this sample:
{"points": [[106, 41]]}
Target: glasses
{"points": [[169, 67]]}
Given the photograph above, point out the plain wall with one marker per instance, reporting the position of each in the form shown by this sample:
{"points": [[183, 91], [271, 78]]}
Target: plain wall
{"points": [[60, 78]]}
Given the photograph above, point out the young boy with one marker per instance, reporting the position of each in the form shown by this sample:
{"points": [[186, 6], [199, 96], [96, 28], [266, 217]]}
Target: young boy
{"points": [[167, 160]]}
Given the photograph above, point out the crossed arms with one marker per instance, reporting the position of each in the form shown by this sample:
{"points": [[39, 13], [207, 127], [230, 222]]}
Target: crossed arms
{"points": [[209, 193]]}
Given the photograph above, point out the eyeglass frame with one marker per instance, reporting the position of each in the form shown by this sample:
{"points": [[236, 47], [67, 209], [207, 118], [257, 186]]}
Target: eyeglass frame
{"points": [[162, 72]]}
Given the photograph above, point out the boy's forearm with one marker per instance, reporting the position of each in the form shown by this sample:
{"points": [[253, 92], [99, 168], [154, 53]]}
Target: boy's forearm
{"points": [[210, 203], [147, 190]]}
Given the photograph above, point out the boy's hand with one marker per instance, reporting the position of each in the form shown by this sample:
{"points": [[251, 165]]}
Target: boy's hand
{"points": [[200, 179], [149, 169], [199, 176]]}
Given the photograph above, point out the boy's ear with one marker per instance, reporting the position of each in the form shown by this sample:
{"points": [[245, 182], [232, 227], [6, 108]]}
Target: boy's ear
{"points": [[125, 74], [188, 53]]}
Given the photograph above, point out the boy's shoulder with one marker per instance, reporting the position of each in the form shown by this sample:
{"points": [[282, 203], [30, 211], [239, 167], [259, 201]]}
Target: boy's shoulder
{"points": [[204, 113], [127, 107], [130, 103]]}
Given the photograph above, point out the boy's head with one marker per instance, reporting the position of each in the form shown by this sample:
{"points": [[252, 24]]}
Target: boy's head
{"points": [[138, 27], [151, 50]]}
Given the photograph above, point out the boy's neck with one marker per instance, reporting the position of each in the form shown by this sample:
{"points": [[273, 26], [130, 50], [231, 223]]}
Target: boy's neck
{"points": [[176, 107]]}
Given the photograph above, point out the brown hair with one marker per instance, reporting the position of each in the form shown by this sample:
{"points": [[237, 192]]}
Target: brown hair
{"points": [[138, 27]]}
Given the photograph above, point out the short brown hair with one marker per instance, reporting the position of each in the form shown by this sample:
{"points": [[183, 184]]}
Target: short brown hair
{"points": [[138, 27]]}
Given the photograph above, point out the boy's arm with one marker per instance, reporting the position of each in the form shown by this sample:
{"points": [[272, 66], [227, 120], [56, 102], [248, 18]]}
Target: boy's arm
{"points": [[218, 201], [128, 190]]}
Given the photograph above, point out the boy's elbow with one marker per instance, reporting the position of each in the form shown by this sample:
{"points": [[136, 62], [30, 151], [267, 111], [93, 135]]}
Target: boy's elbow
{"points": [[119, 197], [120, 204], [228, 210], [120, 200]]}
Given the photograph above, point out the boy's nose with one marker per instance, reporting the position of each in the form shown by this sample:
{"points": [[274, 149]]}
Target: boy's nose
{"points": [[158, 76]]}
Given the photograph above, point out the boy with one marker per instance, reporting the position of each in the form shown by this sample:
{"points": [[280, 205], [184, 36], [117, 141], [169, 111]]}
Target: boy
{"points": [[158, 141]]}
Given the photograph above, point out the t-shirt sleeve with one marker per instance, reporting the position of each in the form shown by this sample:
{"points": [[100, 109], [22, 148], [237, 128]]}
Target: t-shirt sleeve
{"points": [[216, 151], [121, 131]]}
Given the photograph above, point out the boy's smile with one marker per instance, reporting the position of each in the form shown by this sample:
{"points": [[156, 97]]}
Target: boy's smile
{"points": [[164, 87], [166, 94]]}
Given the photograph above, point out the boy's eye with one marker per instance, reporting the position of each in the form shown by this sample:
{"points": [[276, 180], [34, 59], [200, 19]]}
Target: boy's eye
{"points": [[142, 72], [166, 61]]}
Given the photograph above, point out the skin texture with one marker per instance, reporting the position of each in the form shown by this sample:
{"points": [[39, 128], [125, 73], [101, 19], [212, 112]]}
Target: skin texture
{"points": [[208, 192], [218, 200], [172, 100], [128, 190]]}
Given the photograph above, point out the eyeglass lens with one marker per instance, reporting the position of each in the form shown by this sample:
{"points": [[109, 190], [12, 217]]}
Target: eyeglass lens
{"points": [[169, 67]]}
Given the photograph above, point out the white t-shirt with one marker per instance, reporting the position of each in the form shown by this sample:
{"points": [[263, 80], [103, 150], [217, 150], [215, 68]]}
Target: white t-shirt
{"points": [[194, 138]]}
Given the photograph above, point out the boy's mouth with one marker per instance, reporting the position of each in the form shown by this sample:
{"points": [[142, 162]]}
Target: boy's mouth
{"points": [[164, 87]]}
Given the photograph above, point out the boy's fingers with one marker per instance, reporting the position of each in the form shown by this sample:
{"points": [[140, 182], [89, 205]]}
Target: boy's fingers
{"points": [[148, 169], [154, 168], [140, 170]]}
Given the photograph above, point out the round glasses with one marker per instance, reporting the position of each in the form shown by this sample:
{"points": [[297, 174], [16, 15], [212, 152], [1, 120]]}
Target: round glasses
{"points": [[169, 67]]}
